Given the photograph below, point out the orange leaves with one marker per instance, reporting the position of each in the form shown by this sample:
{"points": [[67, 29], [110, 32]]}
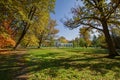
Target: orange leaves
{"points": [[6, 41], [6, 24], [10, 42]]}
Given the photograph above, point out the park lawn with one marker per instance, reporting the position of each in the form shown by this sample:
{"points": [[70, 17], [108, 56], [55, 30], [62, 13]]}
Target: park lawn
{"points": [[73, 64], [60, 64]]}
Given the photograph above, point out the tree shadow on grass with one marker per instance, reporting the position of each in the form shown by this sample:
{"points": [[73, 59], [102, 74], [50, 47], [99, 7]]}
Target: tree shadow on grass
{"points": [[54, 65], [50, 54], [13, 66], [89, 50], [10, 64]]}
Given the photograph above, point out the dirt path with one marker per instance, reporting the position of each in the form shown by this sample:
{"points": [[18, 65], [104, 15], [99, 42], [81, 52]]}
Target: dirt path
{"points": [[13, 65]]}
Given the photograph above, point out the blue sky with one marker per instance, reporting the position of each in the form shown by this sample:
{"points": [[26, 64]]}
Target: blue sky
{"points": [[62, 9]]}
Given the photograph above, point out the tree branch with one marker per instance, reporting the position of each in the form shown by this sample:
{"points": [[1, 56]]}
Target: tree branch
{"points": [[87, 24], [112, 10], [92, 17]]}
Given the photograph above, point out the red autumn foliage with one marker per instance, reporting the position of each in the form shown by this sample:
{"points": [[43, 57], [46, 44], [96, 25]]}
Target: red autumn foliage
{"points": [[6, 41], [6, 25]]}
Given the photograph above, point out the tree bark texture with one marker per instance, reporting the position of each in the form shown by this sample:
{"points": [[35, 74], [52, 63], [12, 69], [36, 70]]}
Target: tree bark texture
{"points": [[109, 41]]}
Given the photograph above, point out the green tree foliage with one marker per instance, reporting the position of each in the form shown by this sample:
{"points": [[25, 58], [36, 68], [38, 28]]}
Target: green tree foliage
{"points": [[76, 42], [85, 34], [38, 8], [82, 42], [62, 39], [115, 33], [26, 13], [30, 40], [40, 27], [97, 14], [101, 41], [48, 33], [41, 34], [52, 31], [94, 41]]}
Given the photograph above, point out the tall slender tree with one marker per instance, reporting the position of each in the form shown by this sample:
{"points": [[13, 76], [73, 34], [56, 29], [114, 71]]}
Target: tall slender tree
{"points": [[34, 13]]}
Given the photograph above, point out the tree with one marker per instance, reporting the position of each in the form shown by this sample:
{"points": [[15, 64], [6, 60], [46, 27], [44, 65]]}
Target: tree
{"points": [[51, 31], [101, 41], [6, 41], [48, 32], [115, 33], [34, 13], [40, 28], [97, 14], [82, 42], [30, 40], [6, 34], [25, 12], [62, 39], [76, 42], [94, 41], [85, 34]]}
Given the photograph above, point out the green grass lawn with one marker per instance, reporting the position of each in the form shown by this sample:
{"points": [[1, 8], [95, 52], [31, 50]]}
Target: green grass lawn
{"points": [[61, 64]]}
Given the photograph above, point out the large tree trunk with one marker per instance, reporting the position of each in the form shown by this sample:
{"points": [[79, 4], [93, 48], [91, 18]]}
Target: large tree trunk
{"points": [[109, 41], [22, 35]]}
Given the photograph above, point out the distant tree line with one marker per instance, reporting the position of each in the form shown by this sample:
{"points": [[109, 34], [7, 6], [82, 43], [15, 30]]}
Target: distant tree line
{"points": [[89, 38]]}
